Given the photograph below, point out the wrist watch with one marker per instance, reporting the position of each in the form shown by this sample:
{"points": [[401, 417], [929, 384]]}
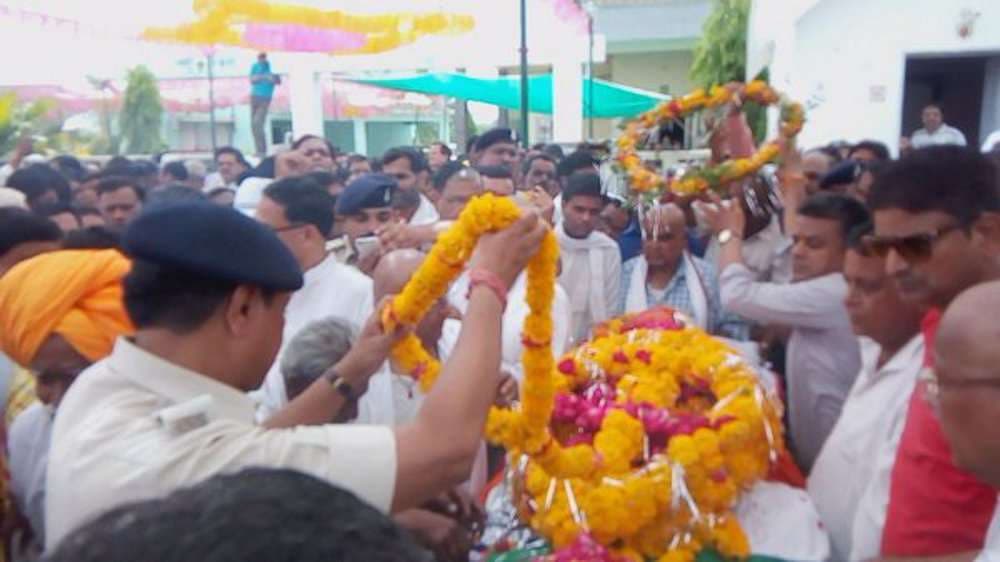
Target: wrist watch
{"points": [[340, 385], [725, 236]]}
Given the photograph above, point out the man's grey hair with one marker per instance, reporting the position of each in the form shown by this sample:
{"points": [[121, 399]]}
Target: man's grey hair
{"points": [[316, 348]]}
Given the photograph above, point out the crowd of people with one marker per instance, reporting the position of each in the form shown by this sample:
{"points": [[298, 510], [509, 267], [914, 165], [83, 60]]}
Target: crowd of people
{"points": [[200, 355]]}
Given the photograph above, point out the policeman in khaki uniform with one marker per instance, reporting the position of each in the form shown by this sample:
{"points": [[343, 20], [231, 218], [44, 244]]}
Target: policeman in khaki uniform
{"points": [[168, 408]]}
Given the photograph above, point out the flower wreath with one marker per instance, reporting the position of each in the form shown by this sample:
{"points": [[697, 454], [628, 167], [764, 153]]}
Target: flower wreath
{"points": [[697, 180], [642, 438]]}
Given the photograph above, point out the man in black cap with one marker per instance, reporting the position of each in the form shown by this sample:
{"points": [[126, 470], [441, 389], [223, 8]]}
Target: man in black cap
{"points": [[363, 209], [497, 147], [167, 409], [300, 212]]}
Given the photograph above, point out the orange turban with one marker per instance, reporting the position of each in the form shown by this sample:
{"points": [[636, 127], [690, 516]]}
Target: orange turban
{"points": [[74, 293]]}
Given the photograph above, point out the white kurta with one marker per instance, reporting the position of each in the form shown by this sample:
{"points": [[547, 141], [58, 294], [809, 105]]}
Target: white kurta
{"points": [[425, 214], [991, 549], [331, 289], [135, 427], [513, 320], [28, 450], [849, 482], [592, 276]]}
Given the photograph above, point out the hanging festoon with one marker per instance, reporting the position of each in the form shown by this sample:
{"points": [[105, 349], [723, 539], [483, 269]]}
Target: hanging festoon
{"points": [[644, 183]]}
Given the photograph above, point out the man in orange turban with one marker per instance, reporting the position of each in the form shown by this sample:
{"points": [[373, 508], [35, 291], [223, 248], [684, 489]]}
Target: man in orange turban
{"points": [[59, 312]]}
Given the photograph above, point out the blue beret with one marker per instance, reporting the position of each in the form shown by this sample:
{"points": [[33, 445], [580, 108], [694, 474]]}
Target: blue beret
{"points": [[370, 191], [494, 136], [846, 172], [214, 241]]}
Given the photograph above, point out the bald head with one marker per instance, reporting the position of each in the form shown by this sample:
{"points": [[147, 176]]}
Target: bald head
{"points": [[967, 368], [663, 219], [394, 270]]}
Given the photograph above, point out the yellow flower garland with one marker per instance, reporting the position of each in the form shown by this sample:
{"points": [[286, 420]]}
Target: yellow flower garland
{"points": [[662, 505], [444, 264], [694, 181], [219, 20]]}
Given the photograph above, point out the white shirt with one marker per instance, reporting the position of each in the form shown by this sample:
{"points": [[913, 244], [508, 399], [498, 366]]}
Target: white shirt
{"points": [[991, 141], [330, 289], [513, 320], [134, 426], [850, 481], [592, 276], [249, 194], [28, 450], [425, 214], [214, 180], [943, 135], [823, 355], [991, 549]]}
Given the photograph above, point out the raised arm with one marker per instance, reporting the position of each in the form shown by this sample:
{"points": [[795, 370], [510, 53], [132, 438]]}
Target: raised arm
{"points": [[437, 449]]}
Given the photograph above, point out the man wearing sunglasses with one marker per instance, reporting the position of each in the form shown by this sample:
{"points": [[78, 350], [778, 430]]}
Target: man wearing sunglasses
{"points": [[300, 212], [938, 225], [963, 390]]}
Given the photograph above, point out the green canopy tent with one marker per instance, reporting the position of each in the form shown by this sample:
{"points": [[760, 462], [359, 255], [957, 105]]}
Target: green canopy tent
{"points": [[610, 100]]}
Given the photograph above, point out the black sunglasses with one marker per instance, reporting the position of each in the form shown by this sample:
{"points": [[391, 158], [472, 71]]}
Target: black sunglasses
{"points": [[915, 247]]}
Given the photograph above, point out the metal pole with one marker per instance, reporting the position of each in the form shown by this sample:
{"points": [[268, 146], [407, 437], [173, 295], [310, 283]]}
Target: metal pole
{"points": [[211, 99], [524, 74], [590, 76]]}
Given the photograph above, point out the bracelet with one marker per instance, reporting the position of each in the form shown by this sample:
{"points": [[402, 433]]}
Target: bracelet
{"points": [[338, 383], [490, 280]]}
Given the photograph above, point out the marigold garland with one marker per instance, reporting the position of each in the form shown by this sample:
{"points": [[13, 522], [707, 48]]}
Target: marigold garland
{"points": [[696, 180], [653, 434], [445, 263]]}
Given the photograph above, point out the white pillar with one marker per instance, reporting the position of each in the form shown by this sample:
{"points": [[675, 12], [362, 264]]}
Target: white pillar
{"points": [[305, 96], [360, 136], [567, 99]]}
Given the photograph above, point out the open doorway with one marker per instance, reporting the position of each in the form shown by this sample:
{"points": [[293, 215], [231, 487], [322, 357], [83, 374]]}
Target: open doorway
{"points": [[960, 85]]}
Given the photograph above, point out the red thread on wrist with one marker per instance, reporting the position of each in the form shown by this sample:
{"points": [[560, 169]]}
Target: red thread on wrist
{"points": [[491, 281]]}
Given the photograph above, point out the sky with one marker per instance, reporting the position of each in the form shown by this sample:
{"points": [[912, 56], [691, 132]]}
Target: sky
{"points": [[98, 39]]}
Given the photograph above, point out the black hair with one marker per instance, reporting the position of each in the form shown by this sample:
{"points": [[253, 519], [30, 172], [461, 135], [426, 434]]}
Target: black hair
{"points": [[176, 170], [582, 184], [355, 157], [444, 148], [50, 210], [329, 146], [160, 296], [117, 164], [880, 150], [304, 201], [92, 238], [951, 179], [446, 172], [856, 237], [829, 151], [495, 172], [576, 161], [266, 169], [934, 104], [20, 226], [234, 151], [219, 191], [555, 151], [405, 199], [418, 163], [324, 179], [849, 212], [279, 515], [111, 184], [69, 166], [83, 211], [173, 194], [37, 179], [526, 166]]}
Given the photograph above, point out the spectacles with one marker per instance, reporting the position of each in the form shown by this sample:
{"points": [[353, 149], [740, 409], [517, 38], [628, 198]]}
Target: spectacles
{"points": [[915, 247]]}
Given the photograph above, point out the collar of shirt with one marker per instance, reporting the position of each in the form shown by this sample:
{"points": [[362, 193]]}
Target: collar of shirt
{"points": [[177, 383], [680, 276], [907, 358]]}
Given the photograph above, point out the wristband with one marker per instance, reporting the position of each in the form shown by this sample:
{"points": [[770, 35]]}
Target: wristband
{"points": [[491, 281], [343, 387]]}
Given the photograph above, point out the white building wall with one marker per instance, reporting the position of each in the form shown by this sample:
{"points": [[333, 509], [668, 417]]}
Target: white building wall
{"points": [[846, 58]]}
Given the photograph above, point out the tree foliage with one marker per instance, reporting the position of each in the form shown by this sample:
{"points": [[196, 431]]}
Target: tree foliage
{"points": [[19, 118], [141, 113], [721, 54]]}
